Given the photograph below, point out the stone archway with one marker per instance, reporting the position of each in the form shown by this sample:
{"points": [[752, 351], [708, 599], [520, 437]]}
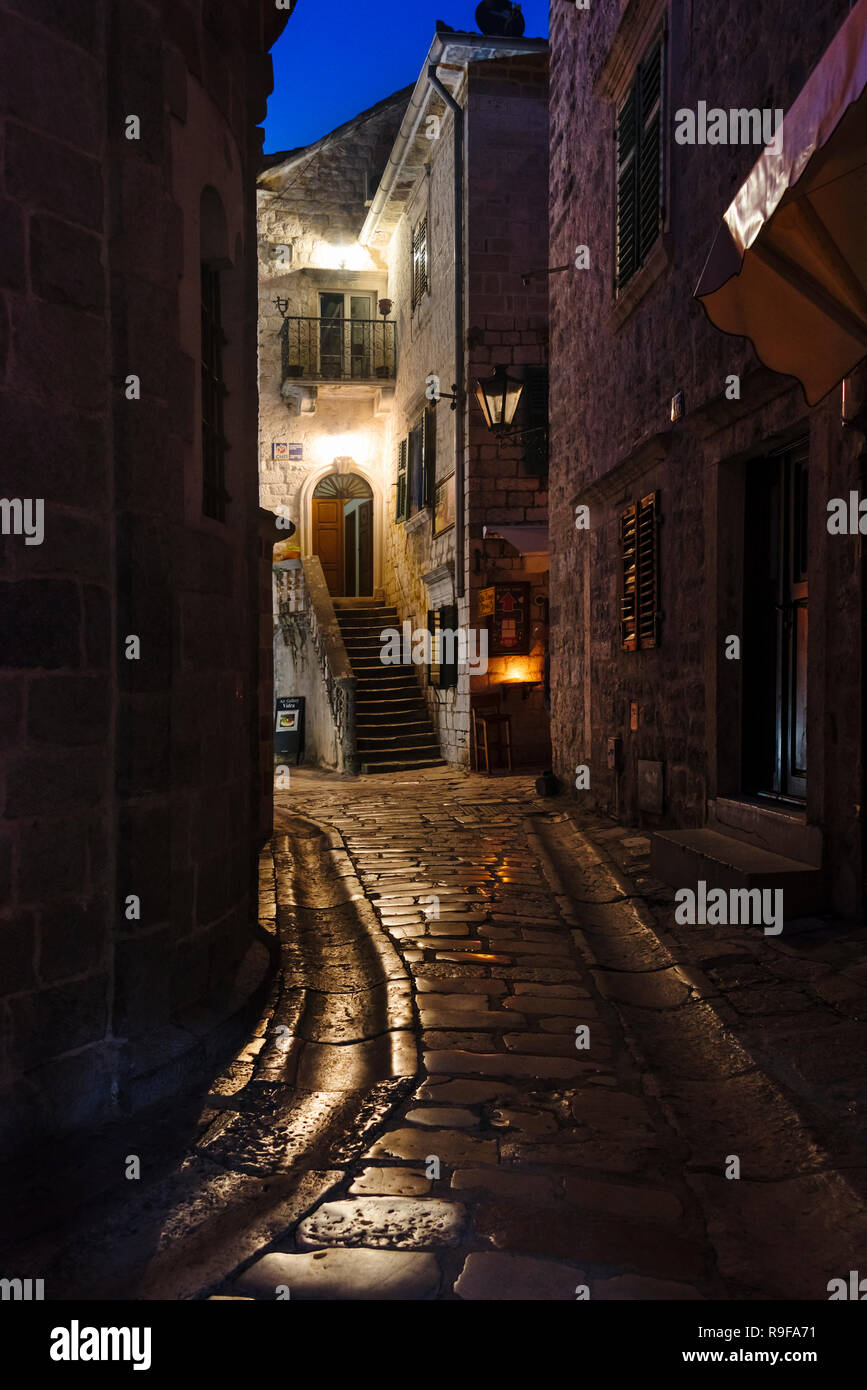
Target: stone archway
{"points": [[359, 487]]}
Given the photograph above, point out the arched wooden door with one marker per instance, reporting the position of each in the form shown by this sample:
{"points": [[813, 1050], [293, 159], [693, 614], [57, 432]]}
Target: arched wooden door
{"points": [[342, 527]]}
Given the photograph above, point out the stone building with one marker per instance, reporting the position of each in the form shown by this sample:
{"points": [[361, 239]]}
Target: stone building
{"points": [[708, 660], [134, 796], [370, 249]]}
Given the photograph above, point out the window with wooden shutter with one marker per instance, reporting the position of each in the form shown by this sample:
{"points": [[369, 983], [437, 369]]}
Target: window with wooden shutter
{"points": [[443, 670], [420, 271], [640, 211], [400, 511], [430, 456], [416, 468], [639, 547]]}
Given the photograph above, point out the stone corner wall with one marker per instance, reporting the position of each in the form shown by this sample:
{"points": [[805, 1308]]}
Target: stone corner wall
{"points": [[130, 806]]}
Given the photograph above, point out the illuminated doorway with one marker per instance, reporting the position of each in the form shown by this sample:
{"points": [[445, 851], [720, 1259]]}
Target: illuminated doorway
{"points": [[343, 534]]}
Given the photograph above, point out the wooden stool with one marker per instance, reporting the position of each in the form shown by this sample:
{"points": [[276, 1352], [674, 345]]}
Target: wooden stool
{"points": [[487, 715]]}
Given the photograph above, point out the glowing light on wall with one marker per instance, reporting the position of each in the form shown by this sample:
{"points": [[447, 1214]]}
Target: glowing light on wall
{"points": [[353, 257], [356, 446], [521, 668]]}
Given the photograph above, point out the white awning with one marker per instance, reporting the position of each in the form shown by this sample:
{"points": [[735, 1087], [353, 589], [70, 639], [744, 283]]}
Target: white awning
{"points": [[788, 268]]}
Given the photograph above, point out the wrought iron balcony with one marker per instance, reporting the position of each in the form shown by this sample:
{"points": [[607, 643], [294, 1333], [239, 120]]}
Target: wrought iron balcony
{"points": [[338, 349]]}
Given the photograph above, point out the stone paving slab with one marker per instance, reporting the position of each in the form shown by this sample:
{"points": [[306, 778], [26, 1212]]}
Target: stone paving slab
{"points": [[369, 1275]]}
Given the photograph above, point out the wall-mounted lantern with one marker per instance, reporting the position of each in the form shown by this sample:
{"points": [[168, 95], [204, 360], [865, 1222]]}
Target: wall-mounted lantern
{"points": [[499, 396]]}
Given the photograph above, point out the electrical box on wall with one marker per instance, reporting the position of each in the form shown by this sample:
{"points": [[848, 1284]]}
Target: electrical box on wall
{"points": [[615, 753]]}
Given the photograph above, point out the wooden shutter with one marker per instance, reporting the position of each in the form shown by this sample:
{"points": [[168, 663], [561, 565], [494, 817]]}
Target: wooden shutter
{"points": [[639, 605], [640, 212], [650, 153], [627, 187], [629, 601], [400, 511], [420, 279], [416, 468], [647, 567], [430, 456], [443, 670]]}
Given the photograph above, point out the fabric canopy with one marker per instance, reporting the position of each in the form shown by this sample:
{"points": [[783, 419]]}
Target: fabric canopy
{"points": [[788, 268]]}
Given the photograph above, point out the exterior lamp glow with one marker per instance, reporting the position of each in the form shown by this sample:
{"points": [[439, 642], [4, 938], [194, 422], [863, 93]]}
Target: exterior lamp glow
{"points": [[499, 396]]}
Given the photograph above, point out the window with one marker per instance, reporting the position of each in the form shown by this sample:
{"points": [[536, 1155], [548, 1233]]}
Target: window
{"points": [[400, 511], [345, 340], [640, 211], [443, 671], [420, 265], [639, 546], [214, 495], [416, 468]]}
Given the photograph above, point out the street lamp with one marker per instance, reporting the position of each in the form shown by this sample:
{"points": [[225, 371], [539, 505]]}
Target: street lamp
{"points": [[499, 396]]}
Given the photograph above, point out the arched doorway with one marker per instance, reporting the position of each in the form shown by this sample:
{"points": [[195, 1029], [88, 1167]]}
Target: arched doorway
{"points": [[342, 533]]}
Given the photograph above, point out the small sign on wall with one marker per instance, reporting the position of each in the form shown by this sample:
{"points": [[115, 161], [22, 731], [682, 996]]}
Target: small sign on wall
{"points": [[287, 452], [509, 625]]}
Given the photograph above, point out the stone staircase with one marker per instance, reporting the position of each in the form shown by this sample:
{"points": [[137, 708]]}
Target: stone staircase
{"points": [[393, 728]]}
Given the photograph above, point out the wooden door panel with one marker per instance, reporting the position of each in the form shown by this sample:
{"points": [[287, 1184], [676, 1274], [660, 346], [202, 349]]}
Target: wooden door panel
{"points": [[328, 540], [365, 549]]}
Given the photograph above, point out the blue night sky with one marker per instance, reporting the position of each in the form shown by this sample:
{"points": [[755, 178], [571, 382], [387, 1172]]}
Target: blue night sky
{"points": [[338, 57]]}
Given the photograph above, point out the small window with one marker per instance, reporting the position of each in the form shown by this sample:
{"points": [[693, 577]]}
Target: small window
{"points": [[640, 211], [214, 495], [416, 468], [442, 624], [400, 510], [639, 547], [420, 263]]}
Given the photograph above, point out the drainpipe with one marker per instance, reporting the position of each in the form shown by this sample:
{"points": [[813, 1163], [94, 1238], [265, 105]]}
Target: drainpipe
{"points": [[460, 518]]}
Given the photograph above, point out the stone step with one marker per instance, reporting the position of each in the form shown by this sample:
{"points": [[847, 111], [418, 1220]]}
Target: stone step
{"points": [[373, 662], [406, 765], [386, 685], [410, 719], [409, 724], [684, 857], [399, 742], [354, 622], [393, 727]]}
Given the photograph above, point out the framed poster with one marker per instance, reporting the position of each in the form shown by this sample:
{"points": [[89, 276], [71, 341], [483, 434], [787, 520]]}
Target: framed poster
{"points": [[509, 625], [444, 505]]}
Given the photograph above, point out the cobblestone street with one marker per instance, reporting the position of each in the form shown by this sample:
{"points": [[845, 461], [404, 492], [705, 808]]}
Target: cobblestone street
{"points": [[490, 1068], [517, 1162]]}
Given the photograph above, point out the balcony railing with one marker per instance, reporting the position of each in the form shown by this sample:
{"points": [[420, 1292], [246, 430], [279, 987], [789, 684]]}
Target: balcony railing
{"points": [[338, 349]]}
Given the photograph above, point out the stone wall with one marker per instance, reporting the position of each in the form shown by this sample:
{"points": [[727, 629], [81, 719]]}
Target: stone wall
{"points": [[505, 103], [427, 345], [507, 324], [125, 777], [313, 202], [615, 368]]}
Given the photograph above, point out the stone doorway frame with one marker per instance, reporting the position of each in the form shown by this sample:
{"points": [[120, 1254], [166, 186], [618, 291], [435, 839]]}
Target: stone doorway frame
{"points": [[309, 486]]}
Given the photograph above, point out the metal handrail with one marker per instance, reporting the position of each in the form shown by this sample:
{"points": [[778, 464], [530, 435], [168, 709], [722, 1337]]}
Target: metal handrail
{"points": [[338, 349]]}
